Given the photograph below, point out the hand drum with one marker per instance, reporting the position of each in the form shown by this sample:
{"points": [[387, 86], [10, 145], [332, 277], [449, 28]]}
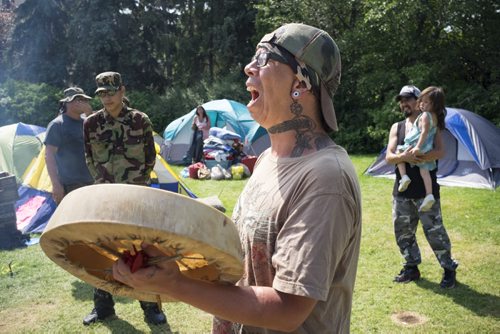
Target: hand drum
{"points": [[95, 225]]}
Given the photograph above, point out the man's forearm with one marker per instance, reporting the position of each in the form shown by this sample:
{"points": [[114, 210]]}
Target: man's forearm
{"points": [[431, 155], [50, 162], [394, 158], [263, 307]]}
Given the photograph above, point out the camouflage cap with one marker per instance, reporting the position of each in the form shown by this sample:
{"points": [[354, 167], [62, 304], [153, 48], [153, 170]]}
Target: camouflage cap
{"points": [[315, 48], [108, 81], [72, 92]]}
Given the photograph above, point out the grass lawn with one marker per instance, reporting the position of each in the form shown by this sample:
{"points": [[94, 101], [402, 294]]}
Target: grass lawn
{"points": [[36, 296]]}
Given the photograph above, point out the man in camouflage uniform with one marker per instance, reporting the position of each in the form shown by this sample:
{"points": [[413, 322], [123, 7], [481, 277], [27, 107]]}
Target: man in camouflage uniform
{"points": [[405, 210], [119, 148]]}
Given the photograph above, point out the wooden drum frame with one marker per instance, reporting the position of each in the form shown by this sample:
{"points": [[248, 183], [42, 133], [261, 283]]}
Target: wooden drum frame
{"points": [[94, 225]]}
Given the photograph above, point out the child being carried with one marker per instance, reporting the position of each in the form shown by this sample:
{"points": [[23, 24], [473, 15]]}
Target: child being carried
{"points": [[420, 139]]}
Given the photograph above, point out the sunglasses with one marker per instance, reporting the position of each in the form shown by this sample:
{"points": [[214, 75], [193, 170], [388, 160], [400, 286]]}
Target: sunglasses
{"points": [[263, 58], [104, 93]]}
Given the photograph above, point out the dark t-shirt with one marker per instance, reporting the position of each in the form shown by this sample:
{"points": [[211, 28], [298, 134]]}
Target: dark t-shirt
{"points": [[66, 134], [416, 189]]}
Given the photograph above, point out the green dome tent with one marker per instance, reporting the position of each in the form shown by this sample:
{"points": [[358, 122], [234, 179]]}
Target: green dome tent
{"points": [[19, 144]]}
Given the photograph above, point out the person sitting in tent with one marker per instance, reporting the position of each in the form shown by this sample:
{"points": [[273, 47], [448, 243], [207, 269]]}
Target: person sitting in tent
{"points": [[421, 140], [201, 126]]}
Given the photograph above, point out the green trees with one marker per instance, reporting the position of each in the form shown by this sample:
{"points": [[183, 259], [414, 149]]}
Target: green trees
{"points": [[37, 53], [28, 102], [175, 54], [429, 42], [388, 44]]}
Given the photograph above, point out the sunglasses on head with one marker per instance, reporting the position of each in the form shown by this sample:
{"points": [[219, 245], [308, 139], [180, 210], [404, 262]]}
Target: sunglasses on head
{"points": [[263, 58], [104, 93]]}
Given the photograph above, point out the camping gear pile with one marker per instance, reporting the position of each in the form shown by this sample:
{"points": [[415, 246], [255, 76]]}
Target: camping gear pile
{"points": [[222, 147], [201, 171], [227, 114], [472, 157], [224, 158]]}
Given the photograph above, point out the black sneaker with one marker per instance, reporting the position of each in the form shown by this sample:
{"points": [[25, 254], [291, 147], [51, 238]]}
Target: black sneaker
{"points": [[93, 317], [152, 314], [449, 279], [407, 274]]}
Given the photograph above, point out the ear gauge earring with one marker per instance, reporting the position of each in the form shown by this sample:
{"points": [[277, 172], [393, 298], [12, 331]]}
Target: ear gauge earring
{"points": [[295, 94]]}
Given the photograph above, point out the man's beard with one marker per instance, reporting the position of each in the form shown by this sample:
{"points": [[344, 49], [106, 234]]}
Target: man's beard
{"points": [[407, 112]]}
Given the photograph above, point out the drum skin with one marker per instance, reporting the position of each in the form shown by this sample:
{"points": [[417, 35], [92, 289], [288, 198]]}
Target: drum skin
{"points": [[94, 225]]}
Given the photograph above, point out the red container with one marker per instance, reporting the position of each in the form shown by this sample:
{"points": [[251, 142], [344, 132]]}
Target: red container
{"points": [[249, 161], [193, 170]]}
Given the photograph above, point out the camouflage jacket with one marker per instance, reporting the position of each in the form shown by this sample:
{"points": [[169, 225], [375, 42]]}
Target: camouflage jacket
{"points": [[119, 150]]}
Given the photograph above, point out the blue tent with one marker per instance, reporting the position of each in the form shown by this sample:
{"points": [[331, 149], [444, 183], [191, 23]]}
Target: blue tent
{"points": [[472, 159], [222, 113]]}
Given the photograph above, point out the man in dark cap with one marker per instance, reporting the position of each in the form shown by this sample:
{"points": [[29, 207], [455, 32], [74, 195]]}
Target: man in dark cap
{"points": [[64, 150], [406, 203], [119, 148], [299, 215]]}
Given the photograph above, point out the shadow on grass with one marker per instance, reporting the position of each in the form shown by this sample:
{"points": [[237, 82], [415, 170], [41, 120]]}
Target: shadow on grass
{"points": [[161, 329], [482, 304], [84, 291], [118, 325]]}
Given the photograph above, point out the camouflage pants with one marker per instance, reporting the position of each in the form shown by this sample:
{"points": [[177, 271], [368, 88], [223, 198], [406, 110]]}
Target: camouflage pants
{"points": [[405, 217]]}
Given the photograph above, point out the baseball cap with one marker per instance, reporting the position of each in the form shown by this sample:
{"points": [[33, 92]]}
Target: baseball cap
{"points": [[72, 92], [108, 81], [315, 48], [408, 91]]}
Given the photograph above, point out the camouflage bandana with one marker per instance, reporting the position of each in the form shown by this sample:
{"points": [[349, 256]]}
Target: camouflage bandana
{"points": [[303, 72], [315, 48]]}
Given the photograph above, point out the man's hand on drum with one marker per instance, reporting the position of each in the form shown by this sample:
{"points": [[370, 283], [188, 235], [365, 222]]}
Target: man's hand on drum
{"points": [[149, 278]]}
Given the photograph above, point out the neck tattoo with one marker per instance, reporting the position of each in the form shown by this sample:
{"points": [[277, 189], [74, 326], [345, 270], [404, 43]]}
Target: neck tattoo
{"points": [[306, 138]]}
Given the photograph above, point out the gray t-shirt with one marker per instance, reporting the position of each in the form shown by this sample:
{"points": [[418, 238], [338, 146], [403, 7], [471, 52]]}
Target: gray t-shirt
{"points": [[299, 221], [66, 134]]}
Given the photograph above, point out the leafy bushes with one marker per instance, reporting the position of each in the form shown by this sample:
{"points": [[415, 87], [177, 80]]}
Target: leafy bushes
{"points": [[28, 103], [177, 101], [39, 103]]}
